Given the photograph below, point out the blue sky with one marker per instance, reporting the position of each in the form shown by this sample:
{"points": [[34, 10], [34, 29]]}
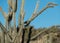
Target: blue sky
{"points": [[48, 18]]}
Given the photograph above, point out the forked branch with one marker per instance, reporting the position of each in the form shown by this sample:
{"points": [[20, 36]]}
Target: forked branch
{"points": [[49, 5]]}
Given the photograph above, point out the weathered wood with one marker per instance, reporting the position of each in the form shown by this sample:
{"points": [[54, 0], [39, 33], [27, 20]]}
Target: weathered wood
{"points": [[5, 31], [49, 5], [29, 35], [18, 37]]}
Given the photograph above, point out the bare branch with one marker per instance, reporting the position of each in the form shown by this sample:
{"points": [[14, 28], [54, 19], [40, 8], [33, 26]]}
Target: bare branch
{"points": [[29, 35], [5, 31], [21, 21], [43, 31], [21, 16], [10, 3], [14, 20], [36, 8], [49, 5], [14, 5], [3, 13], [13, 8], [8, 17], [23, 36], [39, 34]]}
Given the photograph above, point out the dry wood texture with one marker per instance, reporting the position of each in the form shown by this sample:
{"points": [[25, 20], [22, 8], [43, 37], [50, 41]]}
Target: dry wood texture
{"points": [[10, 34]]}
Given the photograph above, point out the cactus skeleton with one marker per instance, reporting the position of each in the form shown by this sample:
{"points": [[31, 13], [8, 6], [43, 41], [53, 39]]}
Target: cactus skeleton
{"points": [[17, 35]]}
